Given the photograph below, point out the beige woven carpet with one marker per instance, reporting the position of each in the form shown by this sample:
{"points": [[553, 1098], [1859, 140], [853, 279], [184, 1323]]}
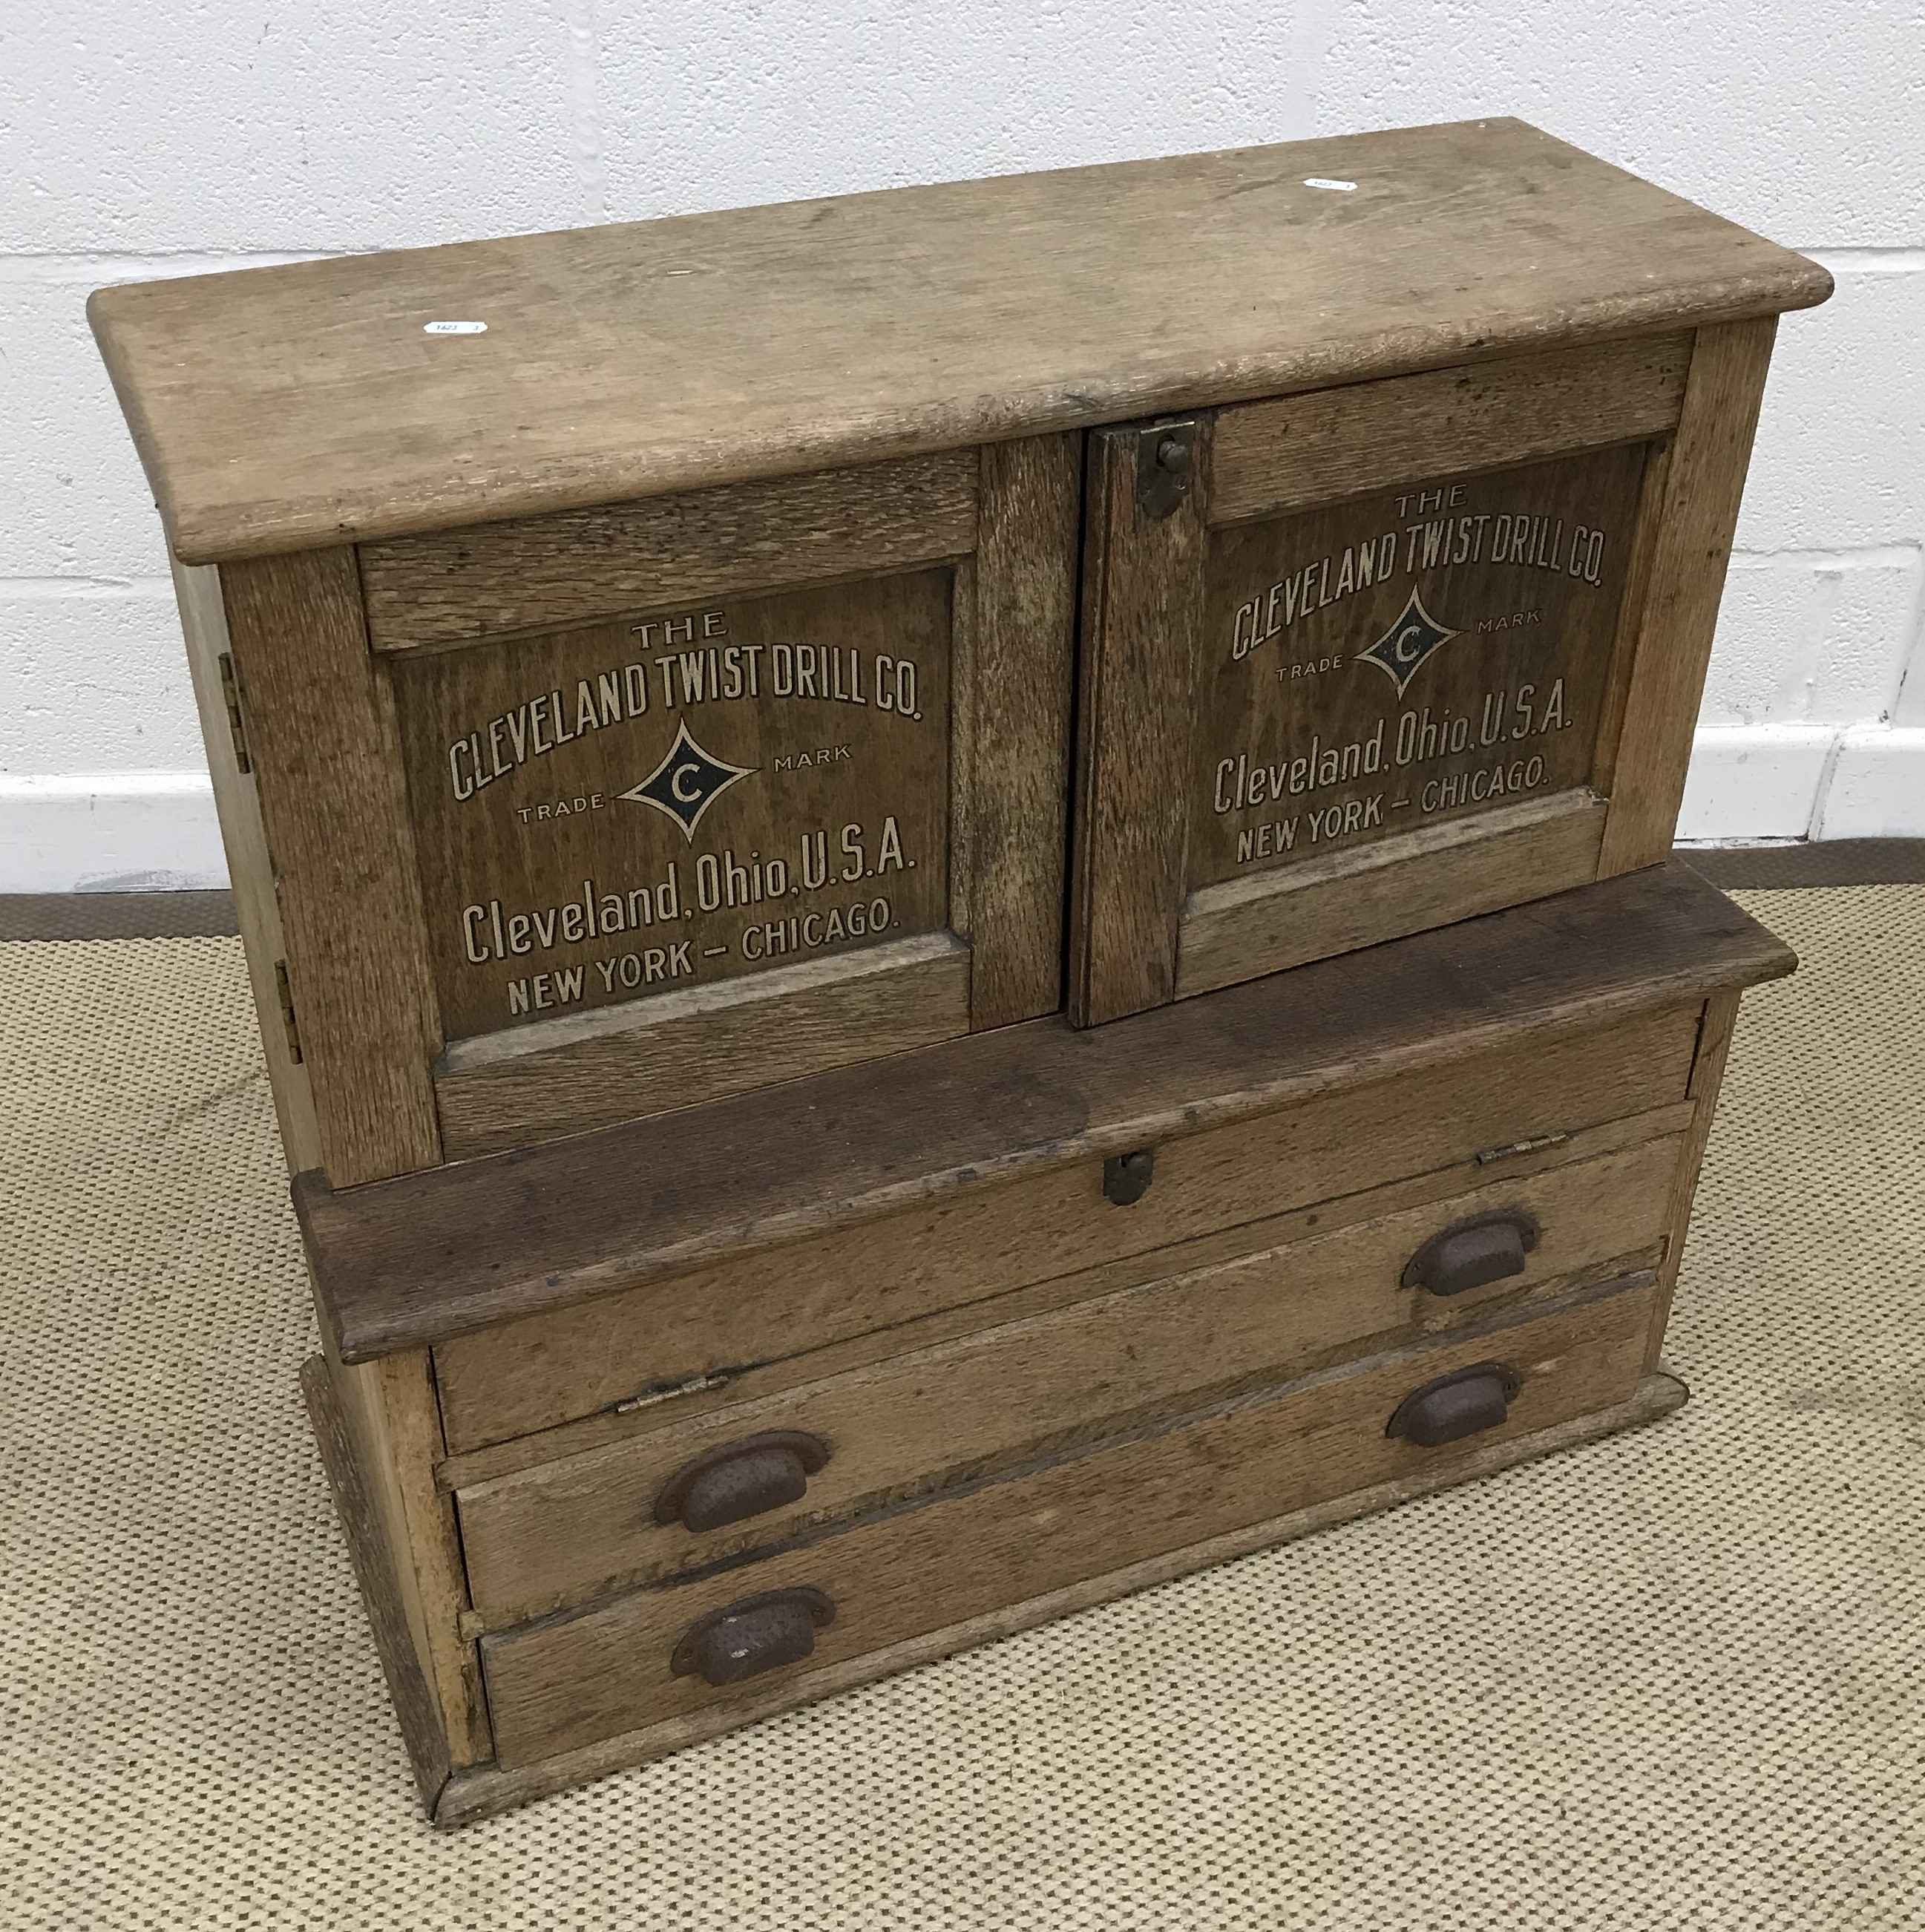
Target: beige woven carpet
{"points": [[1671, 1680]]}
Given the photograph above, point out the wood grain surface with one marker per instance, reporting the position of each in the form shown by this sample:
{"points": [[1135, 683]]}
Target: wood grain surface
{"points": [[1140, 645], [1297, 452], [327, 770], [1703, 485], [1440, 651], [619, 1420], [304, 405], [563, 1682], [1708, 1075], [554, 1534], [630, 558], [486, 1791], [1013, 794], [655, 1056], [1265, 922], [965, 1249], [439, 1254], [422, 1731], [563, 869], [250, 869], [387, 1409]]}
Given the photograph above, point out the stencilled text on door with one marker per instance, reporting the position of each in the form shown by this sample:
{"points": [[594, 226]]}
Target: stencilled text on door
{"points": [[624, 809], [1402, 658]]}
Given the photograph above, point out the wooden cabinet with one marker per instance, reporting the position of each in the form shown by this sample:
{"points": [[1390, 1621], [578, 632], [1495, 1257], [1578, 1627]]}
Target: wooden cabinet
{"points": [[957, 897], [586, 816]]}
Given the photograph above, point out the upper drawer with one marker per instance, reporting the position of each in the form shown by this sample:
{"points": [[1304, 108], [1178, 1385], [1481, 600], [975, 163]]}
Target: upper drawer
{"points": [[783, 1302], [630, 808], [1377, 657], [540, 1537]]}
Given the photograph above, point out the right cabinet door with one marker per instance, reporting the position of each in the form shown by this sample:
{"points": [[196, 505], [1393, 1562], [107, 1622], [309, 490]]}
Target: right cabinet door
{"points": [[1377, 657]]}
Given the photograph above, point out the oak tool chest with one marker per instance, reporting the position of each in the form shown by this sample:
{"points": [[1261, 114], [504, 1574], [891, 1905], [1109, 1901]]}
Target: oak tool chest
{"points": [[911, 861]]}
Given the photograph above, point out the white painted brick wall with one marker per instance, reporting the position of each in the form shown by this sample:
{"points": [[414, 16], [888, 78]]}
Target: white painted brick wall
{"points": [[137, 141]]}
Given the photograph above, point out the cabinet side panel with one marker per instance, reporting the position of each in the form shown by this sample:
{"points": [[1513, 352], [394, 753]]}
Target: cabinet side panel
{"points": [[250, 871], [388, 1411], [422, 1730], [1707, 1073], [327, 760], [1703, 485]]}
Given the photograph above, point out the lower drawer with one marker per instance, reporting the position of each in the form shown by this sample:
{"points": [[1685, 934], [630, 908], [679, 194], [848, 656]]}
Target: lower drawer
{"points": [[550, 1535], [572, 1679]]}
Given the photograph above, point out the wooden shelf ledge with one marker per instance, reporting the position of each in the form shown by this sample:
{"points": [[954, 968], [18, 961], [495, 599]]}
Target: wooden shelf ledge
{"points": [[403, 1263]]}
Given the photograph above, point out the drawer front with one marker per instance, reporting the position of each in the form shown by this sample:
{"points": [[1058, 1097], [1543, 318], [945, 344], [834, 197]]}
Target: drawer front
{"points": [[556, 1533], [527, 1376], [569, 1681]]}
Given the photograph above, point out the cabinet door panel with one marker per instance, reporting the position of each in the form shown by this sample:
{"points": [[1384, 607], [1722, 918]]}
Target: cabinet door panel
{"points": [[1368, 668]]}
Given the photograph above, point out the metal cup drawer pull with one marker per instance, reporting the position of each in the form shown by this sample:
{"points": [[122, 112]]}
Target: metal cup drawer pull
{"points": [[1467, 1254], [1457, 1405], [743, 1478], [753, 1634]]}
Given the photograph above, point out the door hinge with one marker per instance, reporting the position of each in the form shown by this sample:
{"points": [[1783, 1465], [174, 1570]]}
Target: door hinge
{"points": [[666, 1392], [1165, 467], [1511, 1149], [288, 1020], [230, 694]]}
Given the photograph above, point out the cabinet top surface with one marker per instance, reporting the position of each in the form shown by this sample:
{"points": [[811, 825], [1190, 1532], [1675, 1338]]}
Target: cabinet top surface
{"points": [[400, 1263], [290, 407]]}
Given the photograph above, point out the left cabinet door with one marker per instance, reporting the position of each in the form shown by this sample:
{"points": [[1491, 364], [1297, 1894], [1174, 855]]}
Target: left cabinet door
{"points": [[699, 793]]}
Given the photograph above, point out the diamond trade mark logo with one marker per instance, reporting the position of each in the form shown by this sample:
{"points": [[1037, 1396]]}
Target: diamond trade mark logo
{"points": [[687, 782], [1403, 648]]}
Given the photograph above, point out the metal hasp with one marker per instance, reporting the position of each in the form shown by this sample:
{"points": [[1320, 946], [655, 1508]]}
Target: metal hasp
{"points": [[1165, 467], [753, 1634]]}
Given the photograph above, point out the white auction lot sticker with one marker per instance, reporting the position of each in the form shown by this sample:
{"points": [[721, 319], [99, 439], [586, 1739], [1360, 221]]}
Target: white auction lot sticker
{"points": [[1342, 188], [454, 329]]}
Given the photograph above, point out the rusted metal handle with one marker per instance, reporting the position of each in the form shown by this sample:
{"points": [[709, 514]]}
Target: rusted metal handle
{"points": [[753, 1634], [1457, 1405], [1466, 1255], [740, 1479]]}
